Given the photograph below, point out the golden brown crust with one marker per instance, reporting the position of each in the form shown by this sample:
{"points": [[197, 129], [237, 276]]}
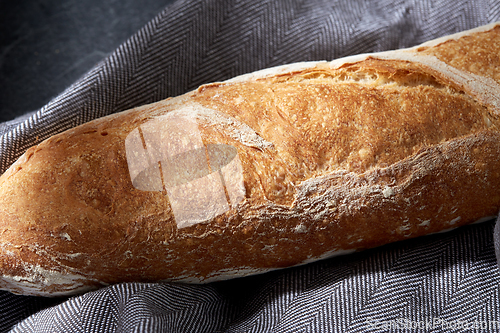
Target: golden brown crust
{"points": [[473, 53], [316, 159]]}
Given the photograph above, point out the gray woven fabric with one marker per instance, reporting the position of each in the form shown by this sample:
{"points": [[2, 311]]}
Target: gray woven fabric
{"points": [[437, 283]]}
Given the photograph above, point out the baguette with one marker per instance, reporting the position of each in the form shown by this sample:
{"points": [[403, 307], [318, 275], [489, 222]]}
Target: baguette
{"points": [[268, 170]]}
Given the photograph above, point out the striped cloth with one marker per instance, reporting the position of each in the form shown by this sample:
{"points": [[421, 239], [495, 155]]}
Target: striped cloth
{"points": [[444, 282]]}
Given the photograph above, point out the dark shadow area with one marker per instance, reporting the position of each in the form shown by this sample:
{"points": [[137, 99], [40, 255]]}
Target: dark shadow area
{"points": [[46, 45]]}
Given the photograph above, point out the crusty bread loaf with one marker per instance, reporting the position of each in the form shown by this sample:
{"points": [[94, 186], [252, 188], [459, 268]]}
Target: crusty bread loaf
{"points": [[268, 170]]}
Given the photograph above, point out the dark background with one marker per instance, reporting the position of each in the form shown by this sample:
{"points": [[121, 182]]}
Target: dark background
{"points": [[46, 45]]}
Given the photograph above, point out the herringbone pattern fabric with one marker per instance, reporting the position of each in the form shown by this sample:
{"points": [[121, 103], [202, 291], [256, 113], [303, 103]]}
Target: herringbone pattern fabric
{"points": [[424, 284]]}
